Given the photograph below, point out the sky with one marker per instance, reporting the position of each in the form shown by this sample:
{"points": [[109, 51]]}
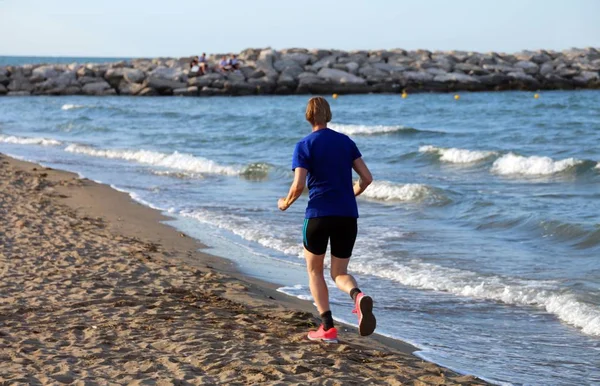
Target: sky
{"points": [[150, 28]]}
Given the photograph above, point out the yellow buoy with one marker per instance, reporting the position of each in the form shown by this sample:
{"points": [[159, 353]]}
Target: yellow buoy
{"points": [[404, 95], [335, 96], [457, 97], [536, 96]]}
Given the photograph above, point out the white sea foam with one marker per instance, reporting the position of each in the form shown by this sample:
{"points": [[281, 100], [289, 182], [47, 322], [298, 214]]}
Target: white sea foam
{"points": [[367, 130], [250, 229], [29, 140], [71, 107], [534, 165], [297, 291], [176, 160], [389, 191], [458, 156], [543, 294]]}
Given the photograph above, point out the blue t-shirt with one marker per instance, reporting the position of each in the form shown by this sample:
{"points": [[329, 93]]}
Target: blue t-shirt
{"points": [[328, 156]]}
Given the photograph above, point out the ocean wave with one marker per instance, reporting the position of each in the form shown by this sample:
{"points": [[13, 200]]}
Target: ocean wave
{"points": [[534, 165], [389, 191], [175, 160], [69, 106], [373, 130], [29, 140], [249, 229], [566, 306], [458, 156]]}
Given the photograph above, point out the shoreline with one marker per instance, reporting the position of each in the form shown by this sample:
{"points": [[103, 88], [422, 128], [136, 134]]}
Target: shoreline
{"points": [[300, 71], [180, 268]]}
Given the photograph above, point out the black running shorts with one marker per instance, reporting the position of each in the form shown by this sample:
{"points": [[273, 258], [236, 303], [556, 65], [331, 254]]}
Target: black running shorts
{"points": [[340, 230]]}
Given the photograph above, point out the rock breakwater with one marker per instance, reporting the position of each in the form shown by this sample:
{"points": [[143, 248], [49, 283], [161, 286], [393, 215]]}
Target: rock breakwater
{"points": [[302, 71]]}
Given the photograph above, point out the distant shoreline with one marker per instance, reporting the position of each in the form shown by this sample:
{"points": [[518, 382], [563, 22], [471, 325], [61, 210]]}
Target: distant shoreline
{"points": [[302, 71]]}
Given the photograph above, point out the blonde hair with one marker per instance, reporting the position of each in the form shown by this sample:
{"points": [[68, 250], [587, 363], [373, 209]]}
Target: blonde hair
{"points": [[318, 111]]}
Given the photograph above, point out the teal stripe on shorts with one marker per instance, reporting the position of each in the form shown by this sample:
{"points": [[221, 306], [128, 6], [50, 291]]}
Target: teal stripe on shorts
{"points": [[304, 231]]}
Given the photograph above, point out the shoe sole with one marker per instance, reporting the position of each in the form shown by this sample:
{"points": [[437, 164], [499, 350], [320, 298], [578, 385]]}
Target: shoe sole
{"points": [[368, 322], [323, 340]]}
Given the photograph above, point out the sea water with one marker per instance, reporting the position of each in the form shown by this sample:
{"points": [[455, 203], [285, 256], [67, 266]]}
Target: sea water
{"points": [[479, 239]]}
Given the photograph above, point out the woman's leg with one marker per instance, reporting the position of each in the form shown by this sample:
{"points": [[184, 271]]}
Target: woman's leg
{"points": [[339, 274], [316, 280]]}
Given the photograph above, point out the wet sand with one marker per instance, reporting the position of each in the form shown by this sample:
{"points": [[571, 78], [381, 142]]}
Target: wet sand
{"points": [[96, 290]]}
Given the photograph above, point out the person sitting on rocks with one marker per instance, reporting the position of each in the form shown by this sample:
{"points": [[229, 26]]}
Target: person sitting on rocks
{"points": [[224, 65], [203, 64], [194, 65], [234, 63]]}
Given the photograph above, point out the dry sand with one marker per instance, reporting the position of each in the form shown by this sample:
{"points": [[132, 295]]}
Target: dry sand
{"points": [[95, 290]]}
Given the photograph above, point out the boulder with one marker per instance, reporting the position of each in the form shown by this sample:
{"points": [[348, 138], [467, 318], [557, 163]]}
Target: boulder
{"points": [[240, 88], [525, 79], [186, 91], [352, 67], [325, 62], [42, 73], [97, 88], [455, 77], [167, 73], [586, 77], [417, 76], [300, 58], [3, 90], [200, 81], [502, 68], [4, 79], [529, 67], [263, 85], [58, 84], [311, 84], [281, 65], [339, 76], [546, 69], [88, 79], [568, 72], [210, 91], [495, 79], [437, 71], [134, 75], [85, 71], [162, 85], [127, 88], [287, 81], [471, 69], [540, 58], [148, 91], [235, 77], [20, 83], [265, 63]]}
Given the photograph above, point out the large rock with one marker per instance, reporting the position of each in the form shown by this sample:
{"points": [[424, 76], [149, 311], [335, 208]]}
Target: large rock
{"points": [[4, 80], [20, 83], [235, 77], [502, 68], [471, 69], [85, 71], [3, 90], [127, 88], [299, 58], [186, 91], [287, 81], [455, 77], [417, 76], [339, 76], [88, 79], [529, 67], [586, 77], [264, 85], [168, 73], [325, 62], [240, 88], [58, 84], [148, 91], [546, 69], [524, 79], [265, 63], [42, 73], [97, 88], [162, 85]]}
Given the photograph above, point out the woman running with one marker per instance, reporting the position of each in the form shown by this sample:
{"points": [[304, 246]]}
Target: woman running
{"points": [[327, 158]]}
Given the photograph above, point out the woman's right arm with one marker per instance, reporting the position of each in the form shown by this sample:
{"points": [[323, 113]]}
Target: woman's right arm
{"points": [[364, 176]]}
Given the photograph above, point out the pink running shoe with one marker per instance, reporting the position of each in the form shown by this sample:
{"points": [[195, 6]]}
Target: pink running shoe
{"points": [[329, 336], [363, 308]]}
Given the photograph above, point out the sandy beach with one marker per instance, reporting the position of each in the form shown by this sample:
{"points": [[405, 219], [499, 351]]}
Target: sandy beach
{"points": [[96, 290]]}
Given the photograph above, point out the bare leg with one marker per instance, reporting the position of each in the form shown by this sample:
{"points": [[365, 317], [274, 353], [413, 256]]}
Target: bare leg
{"points": [[339, 274], [316, 280]]}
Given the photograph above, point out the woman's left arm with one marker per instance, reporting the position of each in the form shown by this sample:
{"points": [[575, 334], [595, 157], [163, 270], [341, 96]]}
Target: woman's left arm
{"points": [[295, 190]]}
